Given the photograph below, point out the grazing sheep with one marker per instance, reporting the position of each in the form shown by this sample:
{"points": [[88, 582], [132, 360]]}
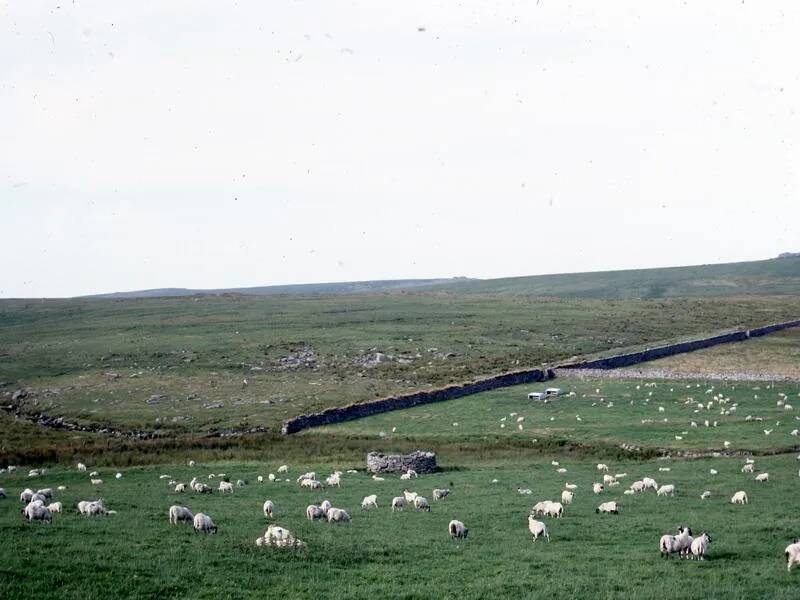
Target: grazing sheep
{"points": [[705, 495], [456, 529], [566, 497], [61, 488], [46, 492], [713, 471], [271, 477], [376, 478], [792, 554], [421, 503], [620, 476], [204, 524], [666, 490], [664, 469], [549, 509], [676, 544], [314, 512], [283, 469], [335, 479], [700, 546], [55, 507], [602, 467], [410, 496], [762, 477], [571, 486], [36, 512], [629, 492], [739, 497], [597, 488], [309, 475], [180, 514], [81, 467], [537, 528], [338, 515], [118, 476], [95, 474], [325, 505], [269, 508], [748, 468], [279, 537], [37, 497], [438, 494], [607, 507], [92, 507], [225, 486], [562, 470], [97, 482], [26, 495], [524, 491], [608, 479], [398, 503], [649, 483], [311, 484], [370, 501], [181, 487]]}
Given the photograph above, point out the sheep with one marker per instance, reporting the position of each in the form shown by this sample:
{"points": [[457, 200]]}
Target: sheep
{"points": [[283, 469], [713, 471], [562, 470], [370, 501], [240, 483], [279, 537], [46, 492], [676, 544], [269, 508], [191, 463], [620, 475], [739, 497], [225, 486], [94, 474], [410, 496], [26, 495], [666, 490], [700, 546], [762, 477], [602, 467], [629, 492], [748, 468], [37, 497], [97, 482], [549, 509], [664, 469], [456, 529], [271, 477], [311, 484], [36, 512], [524, 491], [81, 466], [566, 497], [607, 507], [335, 479], [537, 528], [571, 487], [55, 507], [180, 488], [118, 476], [398, 503], [597, 488], [92, 508], [649, 483], [180, 514], [61, 488], [705, 495], [260, 479], [2, 493], [792, 554], [421, 503], [438, 494], [376, 478], [204, 524], [608, 479], [338, 515], [314, 512], [309, 475]]}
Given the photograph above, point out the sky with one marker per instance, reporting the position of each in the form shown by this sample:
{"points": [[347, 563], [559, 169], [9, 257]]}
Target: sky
{"points": [[223, 144]]}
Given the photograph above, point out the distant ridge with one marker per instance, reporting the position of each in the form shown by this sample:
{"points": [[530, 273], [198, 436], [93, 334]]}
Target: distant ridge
{"points": [[349, 287]]}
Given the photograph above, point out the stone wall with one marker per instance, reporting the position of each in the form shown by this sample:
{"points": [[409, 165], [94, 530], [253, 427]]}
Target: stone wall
{"points": [[421, 462], [373, 407]]}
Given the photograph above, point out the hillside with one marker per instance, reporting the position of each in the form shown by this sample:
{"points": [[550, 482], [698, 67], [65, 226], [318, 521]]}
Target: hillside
{"points": [[765, 277]]}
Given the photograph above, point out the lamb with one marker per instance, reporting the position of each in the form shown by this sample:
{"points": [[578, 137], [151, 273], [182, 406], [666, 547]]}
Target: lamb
{"points": [[608, 479], [335, 479], [666, 490], [421, 503], [410, 496], [225, 486], [566, 497], [792, 554], [748, 468], [370, 501], [283, 469], [314, 512], [700, 546], [260, 479], [762, 477], [664, 469], [676, 544], [398, 503], [191, 463], [181, 487], [602, 467], [549, 509], [269, 509], [204, 524], [338, 515], [279, 537], [55, 507], [180, 514], [739, 497], [597, 488], [607, 507], [271, 477], [456, 529], [438, 494], [537, 528], [81, 467]]}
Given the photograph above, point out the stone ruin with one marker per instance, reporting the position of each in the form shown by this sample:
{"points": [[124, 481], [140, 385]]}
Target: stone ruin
{"points": [[421, 462]]}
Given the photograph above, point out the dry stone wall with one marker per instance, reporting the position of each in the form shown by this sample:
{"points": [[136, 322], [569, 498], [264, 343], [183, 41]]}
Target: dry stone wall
{"points": [[421, 462]]}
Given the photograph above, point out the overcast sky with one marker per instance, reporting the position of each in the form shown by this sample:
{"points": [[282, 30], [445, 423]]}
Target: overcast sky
{"points": [[223, 144]]}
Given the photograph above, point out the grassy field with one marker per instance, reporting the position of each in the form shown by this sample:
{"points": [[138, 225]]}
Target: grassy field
{"points": [[777, 354], [137, 553], [611, 412], [99, 362]]}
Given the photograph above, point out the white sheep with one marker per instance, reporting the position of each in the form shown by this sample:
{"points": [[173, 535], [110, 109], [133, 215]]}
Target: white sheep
{"points": [[36, 512], [309, 475], [666, 490], [81, 467], [204, 524], [269, 508], [438, 494], [700, 546], [566, 497], [240, 483], [118, 476], [456, 529], [314, 512], [398, 503], [608, 479], [739, 497], [225, 486], [792, 554], [46, 492], [283, 469], [92, 507], [97, 482], [178, 514], [602, 467], [335, 479], [95, 474], [629, 492], [55, 507], [271, 477], [762, 477], [571, 486], [597, 488], [370, 501], [180, 488], [279, 537], [338, 515], [705, 495], [421, 503], [649, 483], [607, 507], [410, 496], [676, 544], [26, 495], [537, 528], [748, 468], [311, 484]]}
